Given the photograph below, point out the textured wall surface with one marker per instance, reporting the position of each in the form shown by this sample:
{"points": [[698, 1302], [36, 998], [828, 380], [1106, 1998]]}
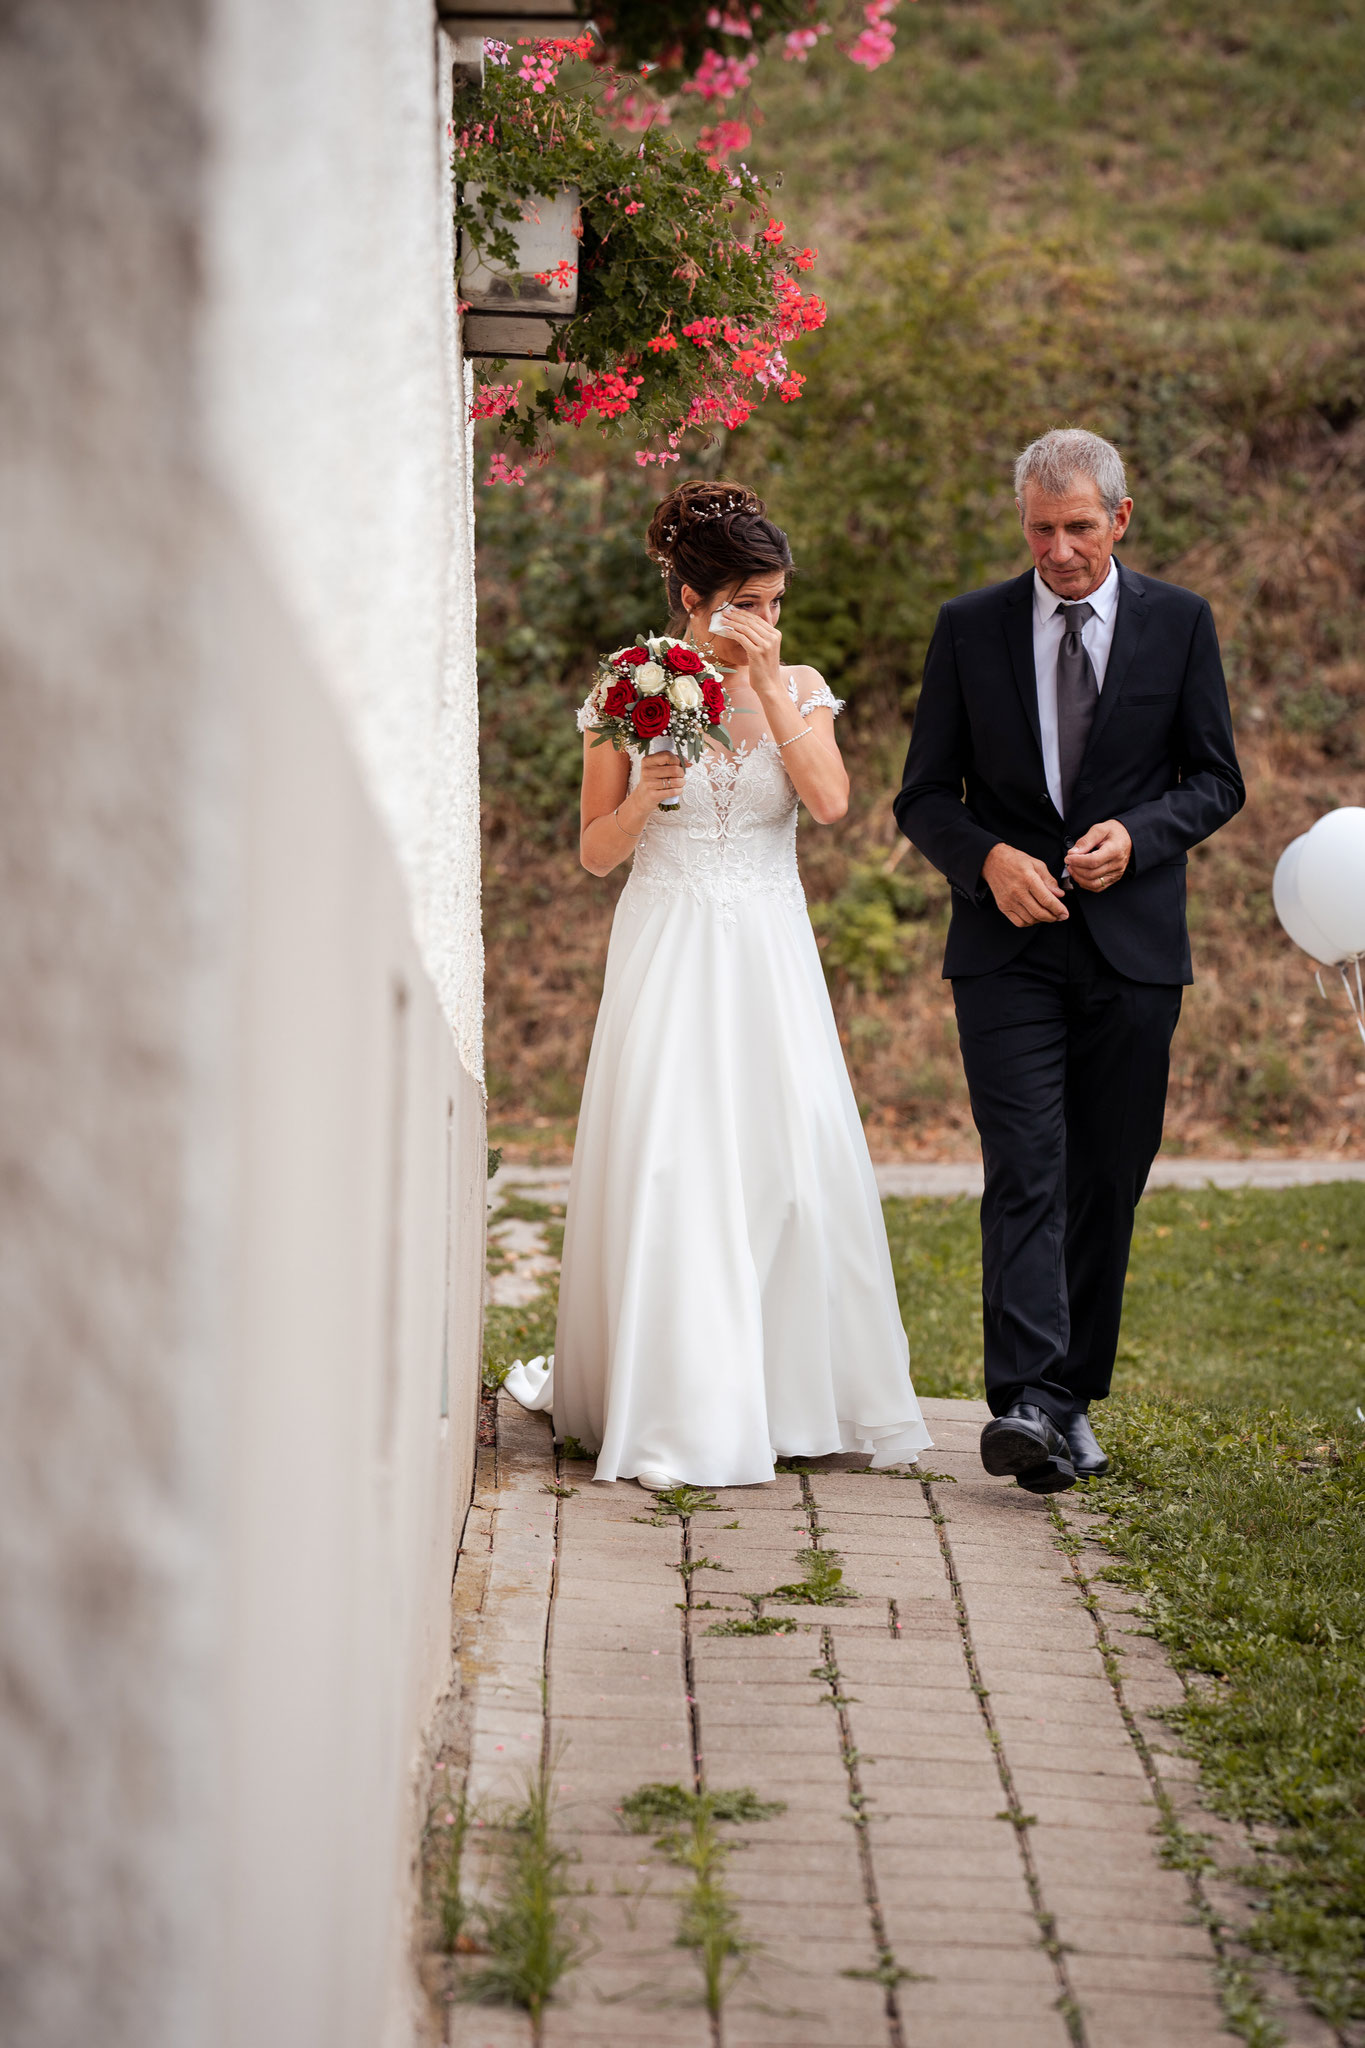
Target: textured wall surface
{"points": [[241, 1128], [331, 322], [101, 1468]]}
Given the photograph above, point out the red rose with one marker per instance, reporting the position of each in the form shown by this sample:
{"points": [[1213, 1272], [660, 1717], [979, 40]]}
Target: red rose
{"points": [[650, 717], [684, 661], [631, 656], [618, 700], [714, 699]]}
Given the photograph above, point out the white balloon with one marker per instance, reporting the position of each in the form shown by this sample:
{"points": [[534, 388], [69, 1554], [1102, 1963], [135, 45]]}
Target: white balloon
{"points": [[1331, 879], [1291, 912]]}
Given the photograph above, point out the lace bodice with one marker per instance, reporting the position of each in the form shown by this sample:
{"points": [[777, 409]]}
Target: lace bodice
{"points": [[733, 836]]}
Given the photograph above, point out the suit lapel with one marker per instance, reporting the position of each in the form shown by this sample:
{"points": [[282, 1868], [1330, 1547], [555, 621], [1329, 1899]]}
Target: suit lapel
{"points": [[1019, 639], [1128, 624]]}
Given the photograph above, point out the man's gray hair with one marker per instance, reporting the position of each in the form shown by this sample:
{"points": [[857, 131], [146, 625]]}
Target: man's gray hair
{"points": [[1055, 459]]}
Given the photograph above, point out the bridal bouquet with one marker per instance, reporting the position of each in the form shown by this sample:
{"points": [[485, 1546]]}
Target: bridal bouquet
{"points": [[658, 696]]}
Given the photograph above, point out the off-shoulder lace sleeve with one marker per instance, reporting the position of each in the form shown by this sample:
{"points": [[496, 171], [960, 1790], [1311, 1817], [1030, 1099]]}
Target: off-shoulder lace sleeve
{"points": [[587, 716], [822, 695]]}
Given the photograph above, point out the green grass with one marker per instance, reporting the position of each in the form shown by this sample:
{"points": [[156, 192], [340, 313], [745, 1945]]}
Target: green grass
{"points": [[512, 1333], [1244, 1530], [1244, 1296], [1237, 1508]]}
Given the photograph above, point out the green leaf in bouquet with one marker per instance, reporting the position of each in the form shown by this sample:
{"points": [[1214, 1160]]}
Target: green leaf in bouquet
{"points": [[718, 732], [605, 739]]}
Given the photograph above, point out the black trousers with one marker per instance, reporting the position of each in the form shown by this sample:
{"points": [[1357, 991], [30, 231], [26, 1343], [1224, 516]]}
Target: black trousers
{"points": [[1067, 1064]]}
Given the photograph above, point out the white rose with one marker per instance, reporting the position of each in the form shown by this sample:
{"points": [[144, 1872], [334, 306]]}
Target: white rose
{"points": [[685, 694], [649, 677]]}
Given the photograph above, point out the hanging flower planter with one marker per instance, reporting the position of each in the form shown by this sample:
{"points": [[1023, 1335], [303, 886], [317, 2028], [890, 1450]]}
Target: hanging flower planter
{"points": [[511, 308], [659, 280]]}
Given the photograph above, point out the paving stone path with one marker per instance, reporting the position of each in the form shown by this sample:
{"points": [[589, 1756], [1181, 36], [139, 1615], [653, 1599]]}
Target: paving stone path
{"points": [[969, 1853]]}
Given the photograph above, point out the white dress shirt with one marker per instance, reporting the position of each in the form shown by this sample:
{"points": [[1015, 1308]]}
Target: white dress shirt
{"points": [[1097, 637]]}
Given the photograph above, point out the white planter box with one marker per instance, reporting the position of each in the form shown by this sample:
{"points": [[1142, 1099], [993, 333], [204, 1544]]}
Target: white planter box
{"points": [[545, 238]]}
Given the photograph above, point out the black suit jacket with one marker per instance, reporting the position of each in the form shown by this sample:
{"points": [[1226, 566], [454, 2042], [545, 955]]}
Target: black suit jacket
{"points": [[1160, 759]]}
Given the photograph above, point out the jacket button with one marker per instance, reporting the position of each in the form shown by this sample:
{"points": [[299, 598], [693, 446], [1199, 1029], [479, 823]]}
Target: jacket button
{"points": [[1045, 798]]}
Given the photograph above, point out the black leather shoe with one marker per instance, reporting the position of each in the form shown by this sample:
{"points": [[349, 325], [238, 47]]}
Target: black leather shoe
{"points": [[1054, 1477], [1086, 1455], [1026, 1439]]}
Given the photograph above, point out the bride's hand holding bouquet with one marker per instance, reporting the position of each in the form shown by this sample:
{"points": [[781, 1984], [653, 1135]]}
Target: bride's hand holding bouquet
{"points": [[663, 700]]}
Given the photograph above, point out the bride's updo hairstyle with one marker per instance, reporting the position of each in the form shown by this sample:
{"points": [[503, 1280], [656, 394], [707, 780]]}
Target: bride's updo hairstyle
{"points": [[713, 537]]}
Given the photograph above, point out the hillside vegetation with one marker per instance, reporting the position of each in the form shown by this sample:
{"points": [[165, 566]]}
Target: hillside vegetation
{"points": [[1146, 218]]}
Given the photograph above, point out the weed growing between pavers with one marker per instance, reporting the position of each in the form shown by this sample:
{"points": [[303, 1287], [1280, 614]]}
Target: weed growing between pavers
{"points": [[528, 1937], [821, 1583], [1181, 1849], [1013, 1812], [684, 1825], [755, 1625], [559, 1492], [656, 1807], [447, 1832], [699, 1564], [822, 1571], [676, 1503], [1245, 1534]]}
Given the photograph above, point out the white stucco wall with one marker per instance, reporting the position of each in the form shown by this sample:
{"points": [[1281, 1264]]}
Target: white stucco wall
{"points": [[336, 422], [241, 1121]]}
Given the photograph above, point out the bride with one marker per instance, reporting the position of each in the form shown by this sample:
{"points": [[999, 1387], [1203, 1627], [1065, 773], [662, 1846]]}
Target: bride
{"points": [[726, 1295]]}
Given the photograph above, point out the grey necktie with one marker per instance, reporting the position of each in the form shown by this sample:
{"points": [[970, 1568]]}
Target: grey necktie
{"points": [[1077, 695]]}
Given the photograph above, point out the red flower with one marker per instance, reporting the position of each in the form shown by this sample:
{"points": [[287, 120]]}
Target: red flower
{"points": [[618, 700], [714, 699], [630, 656], [684, 661], [650, 717]]}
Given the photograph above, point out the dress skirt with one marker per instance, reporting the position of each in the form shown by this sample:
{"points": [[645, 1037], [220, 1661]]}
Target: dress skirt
{"points": [[726, 1294]]}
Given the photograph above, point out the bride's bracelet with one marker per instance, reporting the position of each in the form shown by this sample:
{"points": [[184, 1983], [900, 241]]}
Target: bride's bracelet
{"points": [[631, 836], [804, 734]]}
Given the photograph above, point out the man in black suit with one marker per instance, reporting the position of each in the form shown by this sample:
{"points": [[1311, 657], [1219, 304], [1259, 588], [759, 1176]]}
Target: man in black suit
{"points": [[1072, 741]]}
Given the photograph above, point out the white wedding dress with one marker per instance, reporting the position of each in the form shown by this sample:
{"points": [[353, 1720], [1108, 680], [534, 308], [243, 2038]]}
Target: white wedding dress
{"points": [[726, 1293]]}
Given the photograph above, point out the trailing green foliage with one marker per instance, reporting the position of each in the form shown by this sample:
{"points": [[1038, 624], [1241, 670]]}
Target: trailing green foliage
{"points": [[1244, 1530]]}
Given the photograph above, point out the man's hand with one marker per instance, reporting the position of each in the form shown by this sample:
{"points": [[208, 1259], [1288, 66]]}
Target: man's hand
{"points": [[1022, 887], [1101, 857]]}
